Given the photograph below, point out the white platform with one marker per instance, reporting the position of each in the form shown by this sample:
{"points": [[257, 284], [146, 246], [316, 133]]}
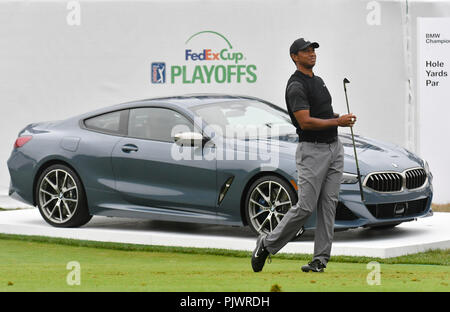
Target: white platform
{"points": [[407, 238]]}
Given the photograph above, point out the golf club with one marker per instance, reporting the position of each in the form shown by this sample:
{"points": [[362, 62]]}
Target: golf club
{"points": [[353, 140]]}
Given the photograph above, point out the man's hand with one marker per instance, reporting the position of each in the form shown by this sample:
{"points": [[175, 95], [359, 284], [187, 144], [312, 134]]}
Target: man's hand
{"points": [[347, 120], [307, 122]]}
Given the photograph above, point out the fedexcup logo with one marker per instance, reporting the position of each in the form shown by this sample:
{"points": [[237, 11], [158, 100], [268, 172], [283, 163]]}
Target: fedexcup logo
{"points": [[206, 65]]}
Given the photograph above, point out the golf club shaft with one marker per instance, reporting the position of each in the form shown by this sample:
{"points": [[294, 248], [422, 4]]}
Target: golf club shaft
{"points": [[354, 146]]}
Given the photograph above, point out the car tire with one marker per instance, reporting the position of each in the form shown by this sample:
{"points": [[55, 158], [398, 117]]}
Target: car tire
{"points": [[61, 198], [262, 217]]}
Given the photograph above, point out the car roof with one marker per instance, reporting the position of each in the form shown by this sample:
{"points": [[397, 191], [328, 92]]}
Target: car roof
{"points": [[189, 100], [185, 101]]}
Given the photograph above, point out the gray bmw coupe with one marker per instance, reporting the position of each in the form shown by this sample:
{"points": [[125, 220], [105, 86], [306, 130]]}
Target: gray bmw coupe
{"points": [[215, 159]]}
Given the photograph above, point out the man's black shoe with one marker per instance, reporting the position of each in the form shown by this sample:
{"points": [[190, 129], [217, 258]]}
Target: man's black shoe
{"points": [[259, 255], [314, 266]]}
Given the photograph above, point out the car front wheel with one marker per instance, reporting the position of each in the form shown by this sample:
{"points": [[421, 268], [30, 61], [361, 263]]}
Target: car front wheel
{"points": [[268, 200]]}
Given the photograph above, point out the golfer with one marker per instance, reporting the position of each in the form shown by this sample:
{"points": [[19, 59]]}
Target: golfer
{"points": [[319, 160]]}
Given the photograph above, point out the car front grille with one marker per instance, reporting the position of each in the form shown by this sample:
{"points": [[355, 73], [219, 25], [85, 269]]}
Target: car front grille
{"points": [[385, 182], [415, 178], [396, 181], [399, 209]]}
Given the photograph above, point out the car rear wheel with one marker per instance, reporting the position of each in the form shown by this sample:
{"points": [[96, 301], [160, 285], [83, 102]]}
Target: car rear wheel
{"points": [[268, 200], [61, 198]]}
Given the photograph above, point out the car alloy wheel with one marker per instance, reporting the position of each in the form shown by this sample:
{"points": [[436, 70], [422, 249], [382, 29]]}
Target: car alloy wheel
{"points": [[61, 198], [58, 196], [267, 204]]}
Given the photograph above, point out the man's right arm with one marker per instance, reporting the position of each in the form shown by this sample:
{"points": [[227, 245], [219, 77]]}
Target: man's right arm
{"points": [[307, 122], [300, 107]]}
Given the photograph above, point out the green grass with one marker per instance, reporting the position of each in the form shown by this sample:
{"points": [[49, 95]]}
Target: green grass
{"points": [[39, 264], [437, 257]]}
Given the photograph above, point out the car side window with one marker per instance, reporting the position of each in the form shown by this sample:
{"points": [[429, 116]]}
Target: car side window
{"points": [[109, 123], [155, 123]]}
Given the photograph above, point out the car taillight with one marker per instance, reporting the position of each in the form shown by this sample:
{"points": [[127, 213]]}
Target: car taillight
{"points": [[22, 140]]}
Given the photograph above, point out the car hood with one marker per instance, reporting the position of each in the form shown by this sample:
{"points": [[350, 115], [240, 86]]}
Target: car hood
{"points": [[373, 155]]}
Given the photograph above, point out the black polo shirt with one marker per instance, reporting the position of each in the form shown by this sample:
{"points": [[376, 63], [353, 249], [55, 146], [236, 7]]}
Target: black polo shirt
{"points": [[310, 93]]}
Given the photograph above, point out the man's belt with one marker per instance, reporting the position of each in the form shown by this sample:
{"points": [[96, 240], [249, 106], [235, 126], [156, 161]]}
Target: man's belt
{"points": [[328, 140]]}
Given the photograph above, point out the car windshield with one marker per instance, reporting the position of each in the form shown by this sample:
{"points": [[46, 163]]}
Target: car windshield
{"points": [[249, 119]]}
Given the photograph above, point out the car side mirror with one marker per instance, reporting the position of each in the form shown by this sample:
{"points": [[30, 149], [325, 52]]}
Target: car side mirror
{"points": [[189, 139]]}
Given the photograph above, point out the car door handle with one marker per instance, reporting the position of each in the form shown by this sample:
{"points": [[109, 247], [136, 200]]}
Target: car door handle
{"points": [[127, 148]]}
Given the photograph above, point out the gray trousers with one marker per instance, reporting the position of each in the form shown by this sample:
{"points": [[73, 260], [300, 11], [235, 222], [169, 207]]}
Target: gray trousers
{"points": [[320, 167]]}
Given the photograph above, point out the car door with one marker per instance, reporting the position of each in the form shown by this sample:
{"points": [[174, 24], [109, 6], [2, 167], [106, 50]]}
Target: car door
{"points": [[149, 170]]}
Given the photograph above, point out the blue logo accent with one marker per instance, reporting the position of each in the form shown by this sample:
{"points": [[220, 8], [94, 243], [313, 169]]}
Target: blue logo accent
{"points": [[159, 72]]}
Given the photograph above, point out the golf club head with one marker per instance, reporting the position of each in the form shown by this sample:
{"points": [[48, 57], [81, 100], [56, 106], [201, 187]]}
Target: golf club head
{"points": [[346, 81]]}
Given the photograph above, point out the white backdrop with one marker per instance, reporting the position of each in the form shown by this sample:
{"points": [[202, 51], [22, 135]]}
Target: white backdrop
{"points": [[61, 58]]}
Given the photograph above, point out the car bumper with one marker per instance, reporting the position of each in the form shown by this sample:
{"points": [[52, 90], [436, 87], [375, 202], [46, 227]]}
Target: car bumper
{"points": [[381, 208], [21, 170]]}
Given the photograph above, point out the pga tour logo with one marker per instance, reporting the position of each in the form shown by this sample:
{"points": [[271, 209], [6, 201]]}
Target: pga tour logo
{"points": [[159, 72]]}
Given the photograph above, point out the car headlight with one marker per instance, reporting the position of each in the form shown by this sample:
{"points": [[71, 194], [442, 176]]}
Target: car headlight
{"points": [[427, 168], [349, 178]]}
